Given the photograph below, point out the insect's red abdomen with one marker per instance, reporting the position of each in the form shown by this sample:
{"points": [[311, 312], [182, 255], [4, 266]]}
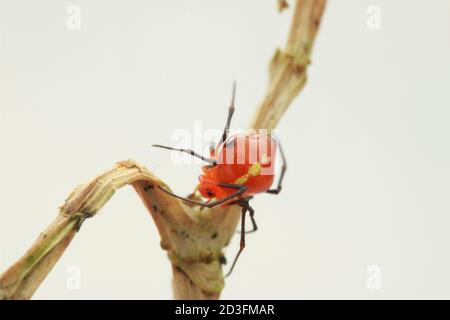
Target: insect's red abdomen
{"points": [[244, 159]]}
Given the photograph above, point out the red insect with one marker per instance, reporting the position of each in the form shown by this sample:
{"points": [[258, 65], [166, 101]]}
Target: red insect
{"points": [[240, 166]]}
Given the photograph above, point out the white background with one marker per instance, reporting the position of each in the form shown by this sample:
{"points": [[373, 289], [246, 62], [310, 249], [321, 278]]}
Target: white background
{"points": [[367, 141]]}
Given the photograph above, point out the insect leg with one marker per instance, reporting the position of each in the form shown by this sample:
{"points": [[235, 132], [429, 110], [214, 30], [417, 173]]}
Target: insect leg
{"points": [[240, 190], [242, 242], [283, 171], [252, 218], [188, 151], [242, 203]]}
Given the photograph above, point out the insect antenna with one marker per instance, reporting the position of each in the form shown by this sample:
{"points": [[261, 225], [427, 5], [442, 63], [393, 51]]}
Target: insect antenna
{"points": [[230, 114], [188, 151]]}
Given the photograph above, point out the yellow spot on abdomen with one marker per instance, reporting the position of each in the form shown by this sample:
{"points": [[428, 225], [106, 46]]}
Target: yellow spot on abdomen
{"points": [[254, 170]]}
